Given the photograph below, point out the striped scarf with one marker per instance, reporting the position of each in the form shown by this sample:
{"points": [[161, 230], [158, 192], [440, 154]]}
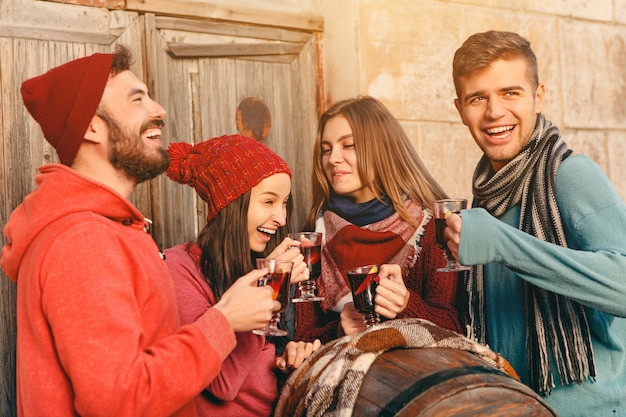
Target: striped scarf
{"points": [[557, 326]]}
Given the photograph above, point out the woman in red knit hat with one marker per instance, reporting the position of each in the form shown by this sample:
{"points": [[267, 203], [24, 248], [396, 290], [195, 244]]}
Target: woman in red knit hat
{"points": [[247, 188], [371, 199]]}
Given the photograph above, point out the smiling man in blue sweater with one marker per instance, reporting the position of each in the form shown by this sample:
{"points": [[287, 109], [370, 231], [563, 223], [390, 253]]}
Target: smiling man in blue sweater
{"points": [[547, 235]]}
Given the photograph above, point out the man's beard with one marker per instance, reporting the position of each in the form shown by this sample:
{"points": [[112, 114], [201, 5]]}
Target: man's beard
{"points": [[128, 152]]}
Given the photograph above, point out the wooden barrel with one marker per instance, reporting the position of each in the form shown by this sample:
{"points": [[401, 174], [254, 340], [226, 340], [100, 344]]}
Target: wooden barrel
{"points": [[429, 382]]}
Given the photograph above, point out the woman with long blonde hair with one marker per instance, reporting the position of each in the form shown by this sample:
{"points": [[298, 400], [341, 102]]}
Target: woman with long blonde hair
{"points": [[371, 199]]}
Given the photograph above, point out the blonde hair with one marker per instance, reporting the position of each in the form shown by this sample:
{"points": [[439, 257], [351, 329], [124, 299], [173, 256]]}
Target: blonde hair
{"points": [[387, 161]]}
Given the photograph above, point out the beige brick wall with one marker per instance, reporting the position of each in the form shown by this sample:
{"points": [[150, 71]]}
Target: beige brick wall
{"points": [[400, 51], [109, 4]]}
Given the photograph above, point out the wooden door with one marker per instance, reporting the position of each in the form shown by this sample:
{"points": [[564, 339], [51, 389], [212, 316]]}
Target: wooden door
{"points": [[205, 71]]}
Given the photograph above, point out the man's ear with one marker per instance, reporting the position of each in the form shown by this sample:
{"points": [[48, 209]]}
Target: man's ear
{"points": [[539, 95], [457, 104], [97, 130]]}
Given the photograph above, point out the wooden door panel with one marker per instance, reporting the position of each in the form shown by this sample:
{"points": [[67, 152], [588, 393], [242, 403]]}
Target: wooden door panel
{"points": [[202, 88]]}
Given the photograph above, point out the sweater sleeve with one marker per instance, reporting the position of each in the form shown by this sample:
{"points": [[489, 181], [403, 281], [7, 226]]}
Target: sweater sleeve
{"points": [[591, 269], [433, 295], [311, 323]]}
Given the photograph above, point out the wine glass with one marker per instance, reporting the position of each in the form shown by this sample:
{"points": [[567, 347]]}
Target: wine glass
{"points": [[363, 284], [441, 210], [311, 248], [277, 278]]}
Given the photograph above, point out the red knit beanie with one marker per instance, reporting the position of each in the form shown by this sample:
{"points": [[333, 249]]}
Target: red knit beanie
{"points": [[223, 169], [64, 100]]}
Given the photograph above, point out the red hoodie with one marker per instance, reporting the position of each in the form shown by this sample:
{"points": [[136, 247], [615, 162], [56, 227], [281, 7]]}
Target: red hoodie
{"points": [[98, 331]]}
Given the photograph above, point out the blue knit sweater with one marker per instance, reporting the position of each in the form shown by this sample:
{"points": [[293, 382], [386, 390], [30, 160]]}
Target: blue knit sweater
{"points": [[592, 271]]}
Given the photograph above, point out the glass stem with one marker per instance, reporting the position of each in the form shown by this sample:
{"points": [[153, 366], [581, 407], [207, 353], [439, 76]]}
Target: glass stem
{"points": [[307, 288], [371, 319]]}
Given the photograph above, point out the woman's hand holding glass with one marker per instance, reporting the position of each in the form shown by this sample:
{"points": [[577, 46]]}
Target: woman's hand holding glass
{"points": [[392, 296], [289, 250], [311, 248], [391, 299]]}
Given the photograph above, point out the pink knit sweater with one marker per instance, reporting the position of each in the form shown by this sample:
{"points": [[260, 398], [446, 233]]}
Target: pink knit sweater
{"points": [[246, 384]]}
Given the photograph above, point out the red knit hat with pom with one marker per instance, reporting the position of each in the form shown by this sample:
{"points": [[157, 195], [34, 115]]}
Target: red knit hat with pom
{"points": [[223, 169], [64, 100]]}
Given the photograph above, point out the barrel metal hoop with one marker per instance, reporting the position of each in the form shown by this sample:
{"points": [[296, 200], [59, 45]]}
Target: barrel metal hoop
{"points": [[424, 384]]}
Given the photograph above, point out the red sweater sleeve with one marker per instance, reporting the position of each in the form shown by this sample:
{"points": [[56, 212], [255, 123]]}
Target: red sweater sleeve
{"points": [[434, 295], [313, 323]]}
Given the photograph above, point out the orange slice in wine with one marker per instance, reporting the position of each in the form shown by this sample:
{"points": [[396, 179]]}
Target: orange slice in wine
{"points": [[371, 276]]}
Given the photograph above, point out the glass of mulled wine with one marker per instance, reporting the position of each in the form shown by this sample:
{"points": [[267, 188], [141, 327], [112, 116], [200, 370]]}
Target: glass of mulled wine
{"points": [[363, 284], [311, 249], [441, 210], [278, 278]]}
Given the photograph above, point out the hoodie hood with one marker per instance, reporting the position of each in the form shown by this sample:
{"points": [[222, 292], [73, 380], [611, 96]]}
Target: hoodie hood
{"points": [[60, 191]]}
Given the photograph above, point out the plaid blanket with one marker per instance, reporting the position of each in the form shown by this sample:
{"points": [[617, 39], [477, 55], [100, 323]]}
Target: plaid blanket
{"points": [[328, 383]]}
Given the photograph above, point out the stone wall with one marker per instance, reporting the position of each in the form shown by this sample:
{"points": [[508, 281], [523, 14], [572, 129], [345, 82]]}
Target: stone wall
{"points": [[400, 51]]}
